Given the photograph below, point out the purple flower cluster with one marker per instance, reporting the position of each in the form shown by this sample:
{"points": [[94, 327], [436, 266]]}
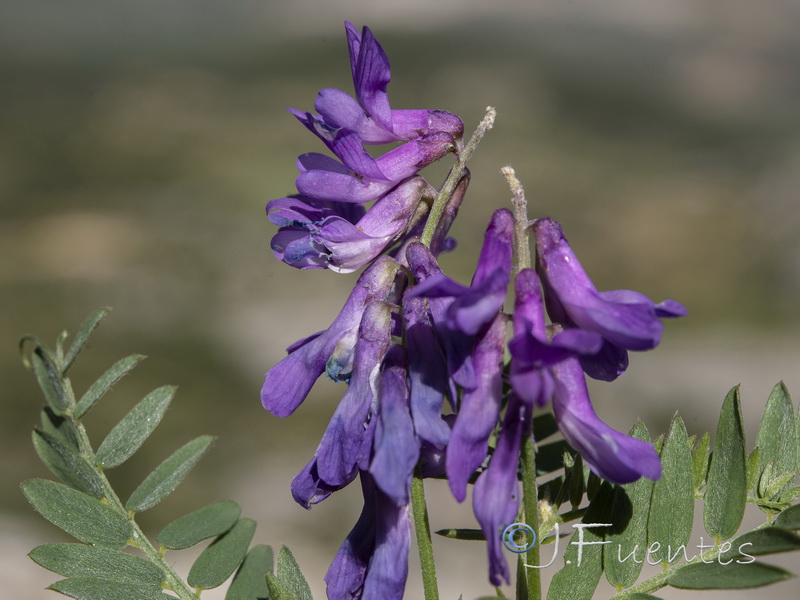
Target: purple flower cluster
{"points": [[325, 225], [423, 356]]}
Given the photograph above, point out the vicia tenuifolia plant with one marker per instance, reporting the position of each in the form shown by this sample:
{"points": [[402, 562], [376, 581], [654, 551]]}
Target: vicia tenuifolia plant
{"points": [[439, 381]]}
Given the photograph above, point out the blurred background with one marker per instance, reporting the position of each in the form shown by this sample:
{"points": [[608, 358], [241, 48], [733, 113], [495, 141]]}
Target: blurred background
{"points": [[140, 142]]}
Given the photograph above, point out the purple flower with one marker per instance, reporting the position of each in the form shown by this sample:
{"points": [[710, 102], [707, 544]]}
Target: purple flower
{"points": [[627, 320], [369, 114], [396, 447], [495, 498], [317, 234], [373, 560], [479, 410], [532, 352], [612, 455], [427, 373], [287, 384], [362, 178], [474, 306]]}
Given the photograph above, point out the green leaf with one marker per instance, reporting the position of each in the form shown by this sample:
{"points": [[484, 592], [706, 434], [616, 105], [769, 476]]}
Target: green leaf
{"points": [[575, 483], [629, 533], [250, 583], [56, 394], [200, 525], [592, 484], [59, 427], [84, 588], [217, 562], [130, 433], [289, 573], [105, 382], [81, 516], [166, 477], [672, 504], [79, 560], [544, 426], [700, 462], [65, 462], [726, 490], [775, 436], [789, 518], [714, 576], [579, 577], [753, 471], [769, 540], [462, 534], [89, 325], [277, 589], [640, 596]]}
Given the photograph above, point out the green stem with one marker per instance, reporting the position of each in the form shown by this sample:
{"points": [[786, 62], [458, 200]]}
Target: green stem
{"points": [[423, 530], [530, 505], [456, 173]]}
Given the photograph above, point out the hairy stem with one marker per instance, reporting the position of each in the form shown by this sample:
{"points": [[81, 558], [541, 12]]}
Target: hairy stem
{"points": [[456, 173], [520, 219], [423, 530], [531, 506]]}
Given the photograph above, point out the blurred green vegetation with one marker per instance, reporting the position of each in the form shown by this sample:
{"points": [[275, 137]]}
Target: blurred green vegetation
{"points": [[135, 175]]}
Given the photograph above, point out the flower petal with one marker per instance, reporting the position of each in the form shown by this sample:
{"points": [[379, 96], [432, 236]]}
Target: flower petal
{"points": [[495, 498], [395, 445], [479, 410], [614, 456]]}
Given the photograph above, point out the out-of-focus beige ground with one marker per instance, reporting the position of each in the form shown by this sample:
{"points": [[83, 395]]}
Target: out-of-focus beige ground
{"points": [[141, 142]]}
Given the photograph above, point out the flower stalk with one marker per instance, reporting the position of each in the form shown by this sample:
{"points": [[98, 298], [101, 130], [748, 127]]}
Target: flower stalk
{"points": [[423, 531]]}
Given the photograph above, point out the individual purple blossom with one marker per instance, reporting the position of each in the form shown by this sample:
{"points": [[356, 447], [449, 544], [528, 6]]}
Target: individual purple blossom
{"points": [[362, 178], [369, 114], [287, 384], [533, 352], [396, 448], [477, 304], [612, 455], [427, 374], [495, 498], [373, 560], [346, 444], [627, 320], [479, 409], [321, 235]]}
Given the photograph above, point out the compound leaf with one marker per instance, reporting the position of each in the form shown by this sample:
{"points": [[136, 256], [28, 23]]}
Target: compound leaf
{"points": [[250, 583], [105, 382]]}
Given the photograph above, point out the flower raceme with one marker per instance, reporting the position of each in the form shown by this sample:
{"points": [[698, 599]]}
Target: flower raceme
{"points": [[315, 232], [411, 344]]}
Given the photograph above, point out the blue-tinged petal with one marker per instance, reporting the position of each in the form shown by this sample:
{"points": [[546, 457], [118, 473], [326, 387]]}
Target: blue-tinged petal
{"points": [[297, 248], [608, 364], [339, 450], [388, 568], [346, 575], [495, 498], [614, 456], [479, 410], [307, 487], [457, 345], [287, 384], [396, 447], [427, 373]]}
